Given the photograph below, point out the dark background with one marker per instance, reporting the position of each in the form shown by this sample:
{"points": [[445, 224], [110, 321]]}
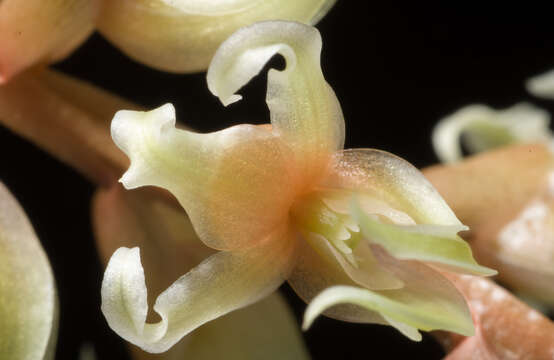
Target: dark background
{"points": [[396, 69]]}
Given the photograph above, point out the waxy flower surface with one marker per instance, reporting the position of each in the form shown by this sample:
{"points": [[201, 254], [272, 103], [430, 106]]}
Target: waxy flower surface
{"points": [[285, 201]]}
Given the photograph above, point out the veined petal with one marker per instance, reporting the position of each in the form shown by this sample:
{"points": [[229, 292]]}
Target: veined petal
{"points": [[28, 302], [542, 85], [427, 302], [235, 184], [392, 181], [222, 283], [437, 244], [315, 271], [484, 128], [183, 35], [170, 248], [304, 109], [368, 272], [34, 31]]}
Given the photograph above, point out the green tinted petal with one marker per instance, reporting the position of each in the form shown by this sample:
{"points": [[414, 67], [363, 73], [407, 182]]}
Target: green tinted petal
{"points": [[28, 302], [431, 243], [428, 301], [410, 309]]}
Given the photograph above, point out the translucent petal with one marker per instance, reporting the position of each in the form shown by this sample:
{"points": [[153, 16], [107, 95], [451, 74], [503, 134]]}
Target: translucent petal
{"points": [[34, 31], [304, 109], [236, 184], [390, 180], [28, 302], [368, 272], [183, 35], [483, 128], [222, 283], [169, 248], [483, 186], [430, 243], [542, 85], [68, 118], [315, 271], [427, 302]]}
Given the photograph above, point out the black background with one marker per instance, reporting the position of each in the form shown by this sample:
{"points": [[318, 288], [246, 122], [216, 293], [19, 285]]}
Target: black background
{"points": [[396, 69]]}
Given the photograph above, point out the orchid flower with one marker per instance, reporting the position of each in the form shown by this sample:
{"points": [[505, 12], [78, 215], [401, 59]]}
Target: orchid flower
{"points": [[79, 112], [285, 201], [173, 35], [28, 301], [481, 128]]}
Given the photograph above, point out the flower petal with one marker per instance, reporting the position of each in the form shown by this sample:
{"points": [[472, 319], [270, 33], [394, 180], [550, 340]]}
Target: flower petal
{"points": [[427, 302], [304, 109], [28, 302], [236, 184], [222, 283], [521, 247], [183, 35], [35, 31], [430, 243], [506, 327], [368, 272], [169, 248], [484, 128], [69, 118], [503, 180], [391, 180]]}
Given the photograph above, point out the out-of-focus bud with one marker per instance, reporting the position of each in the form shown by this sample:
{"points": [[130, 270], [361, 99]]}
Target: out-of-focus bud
{"points": [[38, 31]]}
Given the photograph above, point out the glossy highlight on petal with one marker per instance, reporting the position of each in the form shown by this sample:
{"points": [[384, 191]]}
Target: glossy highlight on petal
{"points": [[182, 35], [481, 128], [222, 283], [236, 184], [391, 181], [28, 301], [36, 31]]}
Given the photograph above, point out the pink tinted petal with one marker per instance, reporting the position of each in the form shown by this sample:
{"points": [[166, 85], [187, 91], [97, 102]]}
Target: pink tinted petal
{"points": [[507, 328], [35, 31]]}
